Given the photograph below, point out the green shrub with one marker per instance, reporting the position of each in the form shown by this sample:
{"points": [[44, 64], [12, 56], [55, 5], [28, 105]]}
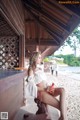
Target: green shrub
{"points": [[46, 59], [70, 59]]}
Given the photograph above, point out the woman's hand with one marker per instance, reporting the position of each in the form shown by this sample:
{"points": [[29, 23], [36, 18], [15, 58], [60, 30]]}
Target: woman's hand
{"points": [[50, 89]]}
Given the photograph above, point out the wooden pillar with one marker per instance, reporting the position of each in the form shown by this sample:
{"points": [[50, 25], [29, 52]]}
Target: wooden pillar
{"points": [[21, 50], [37, 48]]}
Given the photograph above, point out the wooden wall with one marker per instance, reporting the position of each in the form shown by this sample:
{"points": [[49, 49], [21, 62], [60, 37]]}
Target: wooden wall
{"points": [[11, 94], [13, 12]]}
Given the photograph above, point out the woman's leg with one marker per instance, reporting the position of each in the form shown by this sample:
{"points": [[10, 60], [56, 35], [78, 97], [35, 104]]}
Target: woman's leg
{"points": [[61, 93], [50, 100]]}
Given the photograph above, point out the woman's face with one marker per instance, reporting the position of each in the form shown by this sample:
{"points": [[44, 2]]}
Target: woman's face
{"points": [[38, 61]]}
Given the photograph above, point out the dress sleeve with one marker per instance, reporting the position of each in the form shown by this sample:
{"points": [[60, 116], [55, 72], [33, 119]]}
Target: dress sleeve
{"points": [[39, 77]]}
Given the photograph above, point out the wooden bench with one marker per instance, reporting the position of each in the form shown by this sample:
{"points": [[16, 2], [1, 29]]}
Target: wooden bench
{"points": [[41, 108]]}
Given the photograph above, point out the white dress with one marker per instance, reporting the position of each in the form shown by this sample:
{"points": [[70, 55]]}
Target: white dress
{"points": [[33, 80], [39, 76], [31, 88]]}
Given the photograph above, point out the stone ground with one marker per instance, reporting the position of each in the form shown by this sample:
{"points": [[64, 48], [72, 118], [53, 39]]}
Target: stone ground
{"points": [[72, 87]]}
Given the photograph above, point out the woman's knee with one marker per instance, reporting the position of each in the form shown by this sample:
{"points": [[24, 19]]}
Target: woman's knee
{"points": [[62, 90]]}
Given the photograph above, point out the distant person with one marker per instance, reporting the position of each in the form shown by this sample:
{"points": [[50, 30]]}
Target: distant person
{"points": [[54, 68]]}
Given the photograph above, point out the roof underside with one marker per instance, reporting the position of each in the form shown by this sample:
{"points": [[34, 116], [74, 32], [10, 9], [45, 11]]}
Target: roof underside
{"points": [[49, 23]]}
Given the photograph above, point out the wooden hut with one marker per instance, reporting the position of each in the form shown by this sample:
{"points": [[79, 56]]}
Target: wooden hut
{"points": [[26, 26]]}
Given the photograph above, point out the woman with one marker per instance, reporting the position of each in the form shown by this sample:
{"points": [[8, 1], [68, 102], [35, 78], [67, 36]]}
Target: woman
{"points": [[45, 93]]}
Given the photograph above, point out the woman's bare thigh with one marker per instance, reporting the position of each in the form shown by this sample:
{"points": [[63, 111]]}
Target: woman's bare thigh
{"points": [[50, 100]]}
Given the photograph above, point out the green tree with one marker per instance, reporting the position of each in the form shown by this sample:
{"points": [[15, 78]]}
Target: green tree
{"points": [[46, 59], [70, 59]]}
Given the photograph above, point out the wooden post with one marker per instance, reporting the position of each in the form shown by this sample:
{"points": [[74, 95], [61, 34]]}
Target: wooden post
{"points": [[21, 51], [37, 48]]}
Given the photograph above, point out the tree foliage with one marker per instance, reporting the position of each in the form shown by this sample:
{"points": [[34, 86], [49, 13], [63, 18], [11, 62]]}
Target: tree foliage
{"points": [[70, 59], [46, 59]]}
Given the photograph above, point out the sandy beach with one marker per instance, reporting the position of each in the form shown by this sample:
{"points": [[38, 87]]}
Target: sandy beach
{"points": [[72, 87]]}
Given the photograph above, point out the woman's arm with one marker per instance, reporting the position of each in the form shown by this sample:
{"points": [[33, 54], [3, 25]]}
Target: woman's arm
{"points": [[48, 89]]}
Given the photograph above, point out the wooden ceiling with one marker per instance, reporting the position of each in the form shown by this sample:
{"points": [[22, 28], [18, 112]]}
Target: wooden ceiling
{"points": [[49, 23], [43, 23], [5, 29]]}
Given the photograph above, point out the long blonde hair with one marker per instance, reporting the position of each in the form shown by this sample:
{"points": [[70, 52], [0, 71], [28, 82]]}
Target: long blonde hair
{"points": [[32, 61]]}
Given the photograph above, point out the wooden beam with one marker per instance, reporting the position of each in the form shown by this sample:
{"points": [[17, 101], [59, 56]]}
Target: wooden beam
{"points": [[12, 14], [21, 51], [58, 6], [32, 5], [8, 19], [43, 42], [73, 26], [29, 20], [73, 8], [48, 51]]}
